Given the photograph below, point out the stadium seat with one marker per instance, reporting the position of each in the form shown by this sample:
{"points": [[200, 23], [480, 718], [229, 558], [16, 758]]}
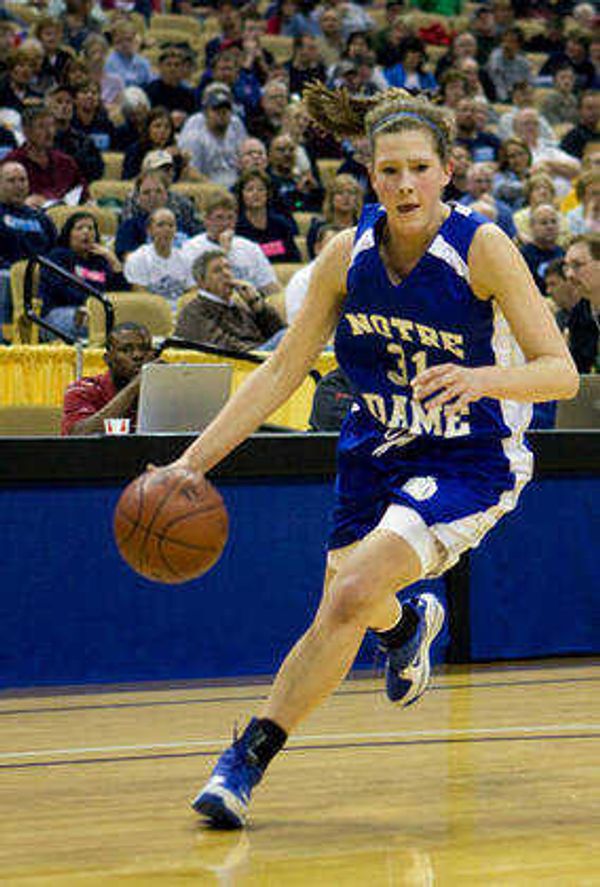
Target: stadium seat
{"points": [[328, 167], [198, 191], [30, 420], [300, 241], [285, 270], [106, 218], [153, 311], [281, 47], [23, 330], [168, 22], [113, 164], [107, 189], [303, 222]]}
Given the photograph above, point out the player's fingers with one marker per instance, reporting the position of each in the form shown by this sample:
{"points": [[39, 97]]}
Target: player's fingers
{"points": [[433, 384], [443, 397]]}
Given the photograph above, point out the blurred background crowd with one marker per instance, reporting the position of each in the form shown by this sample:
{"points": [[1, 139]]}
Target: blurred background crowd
{"points": [[161, 148]]}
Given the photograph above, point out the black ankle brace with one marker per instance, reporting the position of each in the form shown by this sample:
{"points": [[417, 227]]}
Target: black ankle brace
{"points": [[263, 739], [401, 632]]}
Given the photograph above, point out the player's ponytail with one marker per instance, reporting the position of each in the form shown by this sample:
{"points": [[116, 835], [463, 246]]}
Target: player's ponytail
{"points": [[390, 111]]}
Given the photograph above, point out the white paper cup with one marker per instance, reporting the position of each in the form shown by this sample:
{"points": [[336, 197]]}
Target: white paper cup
{"points": [[117, 426]]}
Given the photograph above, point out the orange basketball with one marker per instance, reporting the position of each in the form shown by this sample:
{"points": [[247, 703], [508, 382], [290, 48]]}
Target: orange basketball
{"points": [[170, 525]]}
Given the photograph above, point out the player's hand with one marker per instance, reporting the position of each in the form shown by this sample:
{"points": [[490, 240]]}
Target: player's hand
{"points": [[449, 383]]}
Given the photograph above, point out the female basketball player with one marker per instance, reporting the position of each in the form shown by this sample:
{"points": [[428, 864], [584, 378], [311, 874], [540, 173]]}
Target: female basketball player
{"points": [[441, 330]]}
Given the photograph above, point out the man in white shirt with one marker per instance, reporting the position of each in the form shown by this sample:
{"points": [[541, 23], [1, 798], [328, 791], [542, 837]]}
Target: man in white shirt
{"points": [[158, 266], [213, 136], [246, 258]]}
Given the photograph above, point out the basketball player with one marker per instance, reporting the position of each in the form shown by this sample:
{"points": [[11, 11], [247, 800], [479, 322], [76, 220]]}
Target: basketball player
{"points": [[447, 343]]}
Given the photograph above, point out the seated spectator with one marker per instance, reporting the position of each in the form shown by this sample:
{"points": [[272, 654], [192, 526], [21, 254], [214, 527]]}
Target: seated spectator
{"points": [[33, 51], [252, 154], [480, 180], [90, 116], [508, 65], [159, 266], [586, 130], [306, 63], [483, 28], [158, 135], [353, 17], [124, 61], [288, 20], [543, 248], [295, 124], [256, 60], [151, 193], [582, 268], [576, 55], [454, 86], [246, 258], [214, 136], [409, 73], [585, 218], [230, 29], [226, 312], [560, 165], [160, 163], [539, 189], [168, 90], [259, 222], [24, 231], [8, 141], [332, 39], [292, 193], [49, 32], [8, 35], [478, 80], [388, 42], [52, 174], [79, 21], [95, 52], [266, 120], [297, 287], [575, 314], [341, 207], [16, 86], [551, 39], [79, 250], [113, 394], [523, 96], [135, 107], [73, 141], [514, 162], [463, 46], [560, 105], [357, 163], [482, 146], [458, 186], [227, 68]]}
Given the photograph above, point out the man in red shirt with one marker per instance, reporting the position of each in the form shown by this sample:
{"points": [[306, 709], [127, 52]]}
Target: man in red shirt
{"points": [[114, 394], [52, 174]]}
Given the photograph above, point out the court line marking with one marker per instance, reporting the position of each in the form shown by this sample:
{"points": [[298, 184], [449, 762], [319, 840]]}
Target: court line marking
{"points": [[126, 759], [59, 709], [447, 733]]}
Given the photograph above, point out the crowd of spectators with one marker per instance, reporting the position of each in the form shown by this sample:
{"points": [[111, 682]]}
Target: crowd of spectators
{"points": [[217, 101]]}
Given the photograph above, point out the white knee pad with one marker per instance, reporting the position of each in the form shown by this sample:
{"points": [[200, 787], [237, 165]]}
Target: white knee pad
{"points": [[408, 523]]}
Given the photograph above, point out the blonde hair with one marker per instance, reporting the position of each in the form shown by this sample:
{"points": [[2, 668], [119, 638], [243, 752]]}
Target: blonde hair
{"points": [[334, 186], [391, 111]]}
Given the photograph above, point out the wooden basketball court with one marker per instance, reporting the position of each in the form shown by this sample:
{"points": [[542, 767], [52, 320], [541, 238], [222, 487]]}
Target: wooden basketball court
{"points": [[491, 779]]}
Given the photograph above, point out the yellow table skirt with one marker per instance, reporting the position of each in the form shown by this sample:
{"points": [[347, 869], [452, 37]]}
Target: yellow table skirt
{"points": [[39, 374]]}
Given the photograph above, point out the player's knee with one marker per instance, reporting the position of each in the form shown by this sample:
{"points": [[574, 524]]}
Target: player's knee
{"points": [[350, 600]]}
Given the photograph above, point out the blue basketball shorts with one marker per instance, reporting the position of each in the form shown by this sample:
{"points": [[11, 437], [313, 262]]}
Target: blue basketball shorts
{"points": [[442, 496]]}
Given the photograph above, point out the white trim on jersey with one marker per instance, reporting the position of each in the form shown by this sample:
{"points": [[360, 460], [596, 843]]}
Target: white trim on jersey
{"points": [[441, 249]]}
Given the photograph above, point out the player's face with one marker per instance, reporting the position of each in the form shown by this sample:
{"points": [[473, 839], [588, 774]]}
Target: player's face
{"points": [[408, 178]]}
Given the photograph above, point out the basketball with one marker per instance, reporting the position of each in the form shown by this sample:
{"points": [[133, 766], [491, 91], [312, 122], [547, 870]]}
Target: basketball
{"points": [[170, 525]]}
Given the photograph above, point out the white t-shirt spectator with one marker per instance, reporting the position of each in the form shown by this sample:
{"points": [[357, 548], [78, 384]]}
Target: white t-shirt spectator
{"points": [[296, 290], [248, 262], [168, 277]]}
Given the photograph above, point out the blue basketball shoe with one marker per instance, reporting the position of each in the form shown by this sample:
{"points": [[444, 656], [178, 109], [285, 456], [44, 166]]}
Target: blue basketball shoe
{"points": [[224, 800], [408, 667]]}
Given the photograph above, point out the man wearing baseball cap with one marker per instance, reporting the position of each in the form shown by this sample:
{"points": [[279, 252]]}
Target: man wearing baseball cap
{"points": [[214, 135]]}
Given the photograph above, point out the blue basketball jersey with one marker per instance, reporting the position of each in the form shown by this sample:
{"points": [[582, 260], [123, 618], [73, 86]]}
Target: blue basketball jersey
{"points": [[388, 332]]}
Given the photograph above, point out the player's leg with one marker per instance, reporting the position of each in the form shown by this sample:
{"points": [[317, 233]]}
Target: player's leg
{"points": [[361, 594]]}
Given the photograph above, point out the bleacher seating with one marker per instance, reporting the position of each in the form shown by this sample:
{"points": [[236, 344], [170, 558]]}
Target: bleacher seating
{"points": [[139, 307]]}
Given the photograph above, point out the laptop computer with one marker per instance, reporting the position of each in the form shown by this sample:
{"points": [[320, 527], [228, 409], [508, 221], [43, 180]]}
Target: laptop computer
{"points": [[180, 397], [584, 410]]}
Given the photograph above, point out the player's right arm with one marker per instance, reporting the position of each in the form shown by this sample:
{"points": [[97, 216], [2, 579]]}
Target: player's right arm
{"points": [[275, 380]]}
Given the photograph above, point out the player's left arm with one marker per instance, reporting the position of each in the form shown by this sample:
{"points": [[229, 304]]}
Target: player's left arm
{"points": [[499, 271]]}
